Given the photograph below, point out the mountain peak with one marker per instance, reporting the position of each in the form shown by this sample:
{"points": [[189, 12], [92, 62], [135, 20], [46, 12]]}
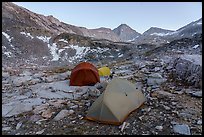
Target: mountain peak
{"points": [[126, 33]]}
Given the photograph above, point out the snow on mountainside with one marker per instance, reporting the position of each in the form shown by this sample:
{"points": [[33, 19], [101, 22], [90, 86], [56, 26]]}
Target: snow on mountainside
{"points": [[29, 36]]}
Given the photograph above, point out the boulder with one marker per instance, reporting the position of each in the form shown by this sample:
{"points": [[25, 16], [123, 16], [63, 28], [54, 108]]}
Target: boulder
{"points": [[63, 113], [188, 71], [182, 129], [155, 79]]}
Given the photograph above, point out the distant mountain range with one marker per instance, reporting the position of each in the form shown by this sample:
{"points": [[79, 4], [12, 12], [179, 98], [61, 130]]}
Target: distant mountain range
{"points": [[13, 15], [28, 37]]}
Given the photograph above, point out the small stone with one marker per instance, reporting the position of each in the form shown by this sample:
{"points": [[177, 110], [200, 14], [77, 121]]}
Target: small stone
{"points": [[140, 118], [40, 109], [166, 107], [185, 115], [173, 103], [40, 132], [94, 91], [174, 123], [156, 68], [61, 114], [149, 89], [88, 104], [47, 114], [35, 118], [182, 129], [148, 109], [18, 125], [73, 107], [6, 128], [199, 122], [197, 94], [71, 111], [159, 128]]}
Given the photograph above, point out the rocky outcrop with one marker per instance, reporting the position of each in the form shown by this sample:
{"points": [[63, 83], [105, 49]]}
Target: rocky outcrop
{"points": [[187, 69]]}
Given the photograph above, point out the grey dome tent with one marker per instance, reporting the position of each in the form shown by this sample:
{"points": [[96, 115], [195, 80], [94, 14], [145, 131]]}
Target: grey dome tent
{"points": [[114, 105]]}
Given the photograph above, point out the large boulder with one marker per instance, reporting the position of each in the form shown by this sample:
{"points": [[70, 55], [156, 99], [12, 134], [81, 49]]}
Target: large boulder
{"points": [[188, 70]]}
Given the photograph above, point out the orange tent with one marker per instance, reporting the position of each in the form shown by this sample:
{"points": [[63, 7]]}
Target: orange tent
{"points": [[84, 74]]}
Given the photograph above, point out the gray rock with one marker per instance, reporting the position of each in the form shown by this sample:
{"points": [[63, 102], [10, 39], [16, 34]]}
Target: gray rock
{"points": [[188, 71], [185, 115], [61, 88], [157, 69], [173, 103], [34, 81], [199, 122], [182, 129], [101, 86], [159, 128], [63, 113], [38, 75], [5, 74], [145, 70], [26, 73], [6, 128], [197, 94], [74, 106], [20, 106], [163, 93], [40, 109], [18, 81], [57, 103], [35, 118], [18, 125], [71, 111], [40, 132], [93, 91], [166, 107], [155, 79], [64, 75]]}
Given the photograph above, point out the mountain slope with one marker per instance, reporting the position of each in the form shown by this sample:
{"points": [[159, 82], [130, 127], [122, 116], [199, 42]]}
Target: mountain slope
{"points": [[126, 33], [16, 16]]}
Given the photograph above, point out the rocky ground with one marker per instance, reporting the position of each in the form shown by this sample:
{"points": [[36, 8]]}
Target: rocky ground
{"points": [[40, 101]]}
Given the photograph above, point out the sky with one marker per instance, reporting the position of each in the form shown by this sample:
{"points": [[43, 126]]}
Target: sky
{"points": [[140, 16]]}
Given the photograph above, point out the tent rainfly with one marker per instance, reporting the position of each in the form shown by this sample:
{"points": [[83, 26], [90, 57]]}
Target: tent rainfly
{"points": [[104, 71], [115, 104], [84, 74]]}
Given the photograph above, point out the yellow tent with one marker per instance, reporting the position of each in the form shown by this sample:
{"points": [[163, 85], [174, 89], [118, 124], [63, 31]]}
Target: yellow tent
{"points": [[104, 71], [115, 104]]}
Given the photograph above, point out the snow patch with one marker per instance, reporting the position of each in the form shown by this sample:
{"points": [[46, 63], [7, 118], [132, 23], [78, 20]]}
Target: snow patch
{"points": [[80, 51], [27, 34], [7, 36], [164, 34], [132, 39], [53, 49], [44, 38], [60, 50], [63, 40], [99, 50]]}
